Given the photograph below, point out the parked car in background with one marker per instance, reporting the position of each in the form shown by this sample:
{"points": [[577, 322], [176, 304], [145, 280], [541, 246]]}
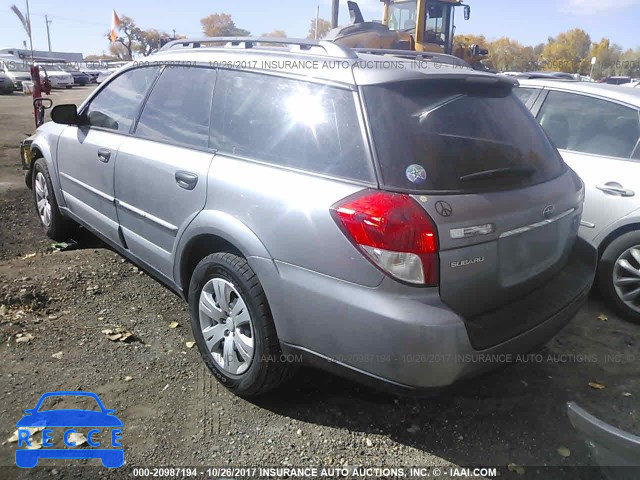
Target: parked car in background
{"points": [[104, 75], [93, 74], [6, 85], [16, 70], [57, 75], [265, 209], [634, 84], [616, 80], [597, 129], [79, 77]]}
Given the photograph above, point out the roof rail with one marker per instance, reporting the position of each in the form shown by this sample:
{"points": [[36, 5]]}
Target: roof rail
{"points": [[330, 48], [412, 54]]}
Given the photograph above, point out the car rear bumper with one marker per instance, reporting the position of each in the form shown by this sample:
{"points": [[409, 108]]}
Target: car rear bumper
{"points": [[610, 447], [408, 337]]}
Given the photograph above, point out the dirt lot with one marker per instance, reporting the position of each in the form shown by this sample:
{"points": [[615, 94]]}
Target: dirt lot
{"points": [[175, 414]]}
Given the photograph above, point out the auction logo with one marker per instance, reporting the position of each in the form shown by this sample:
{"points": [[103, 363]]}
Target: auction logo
{"points": [[105, 428]]}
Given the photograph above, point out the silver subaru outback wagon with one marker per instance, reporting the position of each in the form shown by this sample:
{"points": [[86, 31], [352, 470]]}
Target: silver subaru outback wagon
{"points": [[409, 225]]}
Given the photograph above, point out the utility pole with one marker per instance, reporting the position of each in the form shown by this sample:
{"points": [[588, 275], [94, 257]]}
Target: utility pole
{"points": [[29, 23], [335, 7], [315, 37], [46, 19]]}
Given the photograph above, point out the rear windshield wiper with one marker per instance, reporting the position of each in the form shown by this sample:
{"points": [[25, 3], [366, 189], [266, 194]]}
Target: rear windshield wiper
{"points": [[499, 173]]}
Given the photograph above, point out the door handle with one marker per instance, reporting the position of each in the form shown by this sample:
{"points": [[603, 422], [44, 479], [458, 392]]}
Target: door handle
{"points": [[104, 155], [186, 180], [616, 189]]}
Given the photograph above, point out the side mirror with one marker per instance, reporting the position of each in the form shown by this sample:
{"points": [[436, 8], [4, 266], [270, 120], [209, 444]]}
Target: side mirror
{"points": [[65, 114], [467, 12]]}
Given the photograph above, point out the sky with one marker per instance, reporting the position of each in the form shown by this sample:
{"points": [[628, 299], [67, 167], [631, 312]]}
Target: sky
{"points": [[80, 26]]}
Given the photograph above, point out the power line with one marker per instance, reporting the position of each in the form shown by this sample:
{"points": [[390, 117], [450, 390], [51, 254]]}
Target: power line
{"points": [[71, 20]]}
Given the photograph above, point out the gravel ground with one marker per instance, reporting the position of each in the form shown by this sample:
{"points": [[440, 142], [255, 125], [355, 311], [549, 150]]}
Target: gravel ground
{"points": [[176, 414]]}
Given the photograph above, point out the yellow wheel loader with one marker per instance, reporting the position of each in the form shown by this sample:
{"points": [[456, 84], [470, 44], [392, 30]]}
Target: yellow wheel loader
{"points": [[419, 25]]}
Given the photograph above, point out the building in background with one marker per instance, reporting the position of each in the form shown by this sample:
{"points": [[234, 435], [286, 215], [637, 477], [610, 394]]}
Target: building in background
{"points": [[43, 56]]}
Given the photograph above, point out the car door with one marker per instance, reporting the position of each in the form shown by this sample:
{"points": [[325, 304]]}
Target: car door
{"points": [[87, 153], [598, 138], [161, 173]]}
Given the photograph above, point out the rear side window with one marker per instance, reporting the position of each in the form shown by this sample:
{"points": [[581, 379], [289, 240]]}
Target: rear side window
{"points": [[116, 106], [591, 125], [290, 123], [179, 107], [525, 94], [450, 136]]}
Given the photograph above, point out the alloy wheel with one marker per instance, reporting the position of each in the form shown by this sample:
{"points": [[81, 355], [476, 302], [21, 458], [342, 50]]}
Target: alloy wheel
{"points": [[626, 278]]}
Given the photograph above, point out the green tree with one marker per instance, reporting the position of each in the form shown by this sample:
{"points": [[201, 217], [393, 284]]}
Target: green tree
{"points": [[148, 41], [97, 58], [629, 63], [608, 58], [568, 52], [127, 41], [221, 25], [323, 28], [119, 52], [275, 34], [509, 55]]}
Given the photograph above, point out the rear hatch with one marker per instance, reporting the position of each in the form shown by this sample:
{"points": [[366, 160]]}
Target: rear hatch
{"points": [[506, 207]]}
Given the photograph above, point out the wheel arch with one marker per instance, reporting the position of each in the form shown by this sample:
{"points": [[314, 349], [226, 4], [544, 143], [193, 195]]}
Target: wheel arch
{"points": [[41, 149], [618, 232], [36, 153], [213, 232]]}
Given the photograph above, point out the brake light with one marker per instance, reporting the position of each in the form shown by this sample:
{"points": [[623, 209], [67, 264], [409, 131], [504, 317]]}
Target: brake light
{"points": [[393, 232]]}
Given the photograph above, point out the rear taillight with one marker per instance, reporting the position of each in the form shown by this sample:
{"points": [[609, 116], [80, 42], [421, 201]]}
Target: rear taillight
{"points": [[394, 232]]}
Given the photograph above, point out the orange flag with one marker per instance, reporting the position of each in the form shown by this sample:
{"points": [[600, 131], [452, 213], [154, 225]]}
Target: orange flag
{"points": [[115, 23]]}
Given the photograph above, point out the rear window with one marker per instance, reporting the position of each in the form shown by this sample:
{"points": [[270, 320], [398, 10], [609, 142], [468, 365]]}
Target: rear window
{"points": [[449, 136]]}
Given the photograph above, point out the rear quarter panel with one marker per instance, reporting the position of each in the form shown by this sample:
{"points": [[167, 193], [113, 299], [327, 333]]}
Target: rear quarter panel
{"points": [[289, 212]]}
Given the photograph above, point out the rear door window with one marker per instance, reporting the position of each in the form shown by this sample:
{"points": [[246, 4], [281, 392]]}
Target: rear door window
{"points": [[179, 107], [289, 122], [459, 137], [585, 124], [525, 94]]}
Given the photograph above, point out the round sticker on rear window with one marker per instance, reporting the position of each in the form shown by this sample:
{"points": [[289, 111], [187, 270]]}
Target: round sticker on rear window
{"points": [[416, 173]]}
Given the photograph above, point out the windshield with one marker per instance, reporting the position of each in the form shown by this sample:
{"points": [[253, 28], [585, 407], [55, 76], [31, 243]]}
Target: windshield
{"points": [[402, 15], [453, 133], [437, 23]]}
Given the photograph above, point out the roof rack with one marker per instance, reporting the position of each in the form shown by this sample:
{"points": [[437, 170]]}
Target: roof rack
{"points": [[413, 55], [330, 48]]}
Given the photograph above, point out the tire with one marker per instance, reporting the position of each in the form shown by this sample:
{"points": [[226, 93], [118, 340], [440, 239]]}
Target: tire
{"points": [[56, 226], [229, 279], [625, 249]]}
